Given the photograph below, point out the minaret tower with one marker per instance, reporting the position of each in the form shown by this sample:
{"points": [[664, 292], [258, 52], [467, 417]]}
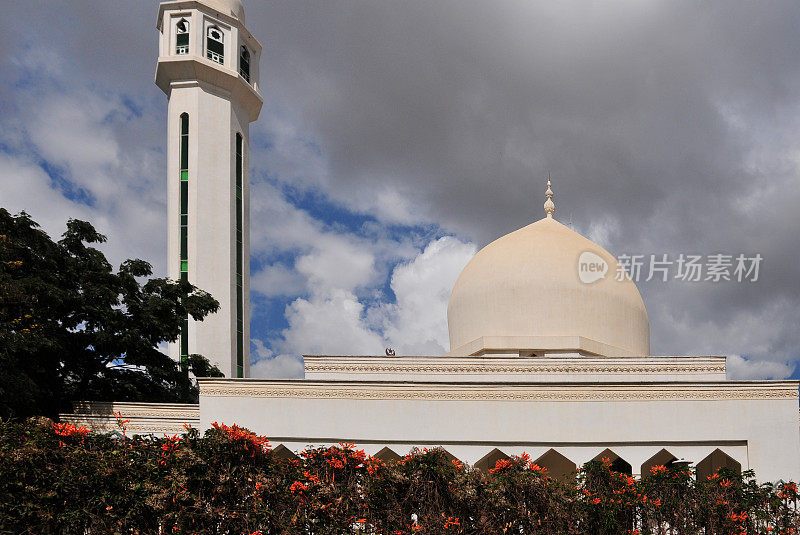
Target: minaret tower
{"points": [[208, 68]]}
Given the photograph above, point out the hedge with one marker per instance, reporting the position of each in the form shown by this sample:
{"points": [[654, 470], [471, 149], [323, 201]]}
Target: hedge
{"points": [[61, 479]]}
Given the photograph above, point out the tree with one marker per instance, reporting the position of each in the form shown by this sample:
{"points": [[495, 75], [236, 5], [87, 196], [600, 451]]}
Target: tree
{"points": [[73, 329]]}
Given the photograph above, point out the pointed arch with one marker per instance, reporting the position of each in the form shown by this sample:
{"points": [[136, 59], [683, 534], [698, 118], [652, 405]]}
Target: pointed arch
{"points": [[447, 455], [182, 37], [387, 454], [558, 466], [618, 464], [714, 461], [662, 458], [244, 62], [488, 461], [215, 44], [282, 452]]}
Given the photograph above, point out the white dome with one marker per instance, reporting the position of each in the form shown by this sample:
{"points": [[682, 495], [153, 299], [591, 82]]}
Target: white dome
{"points": [[524, 290], [229, 7]]}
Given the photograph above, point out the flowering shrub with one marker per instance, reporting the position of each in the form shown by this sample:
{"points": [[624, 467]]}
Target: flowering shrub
{"points": [[609, 501], [522, 498], [58, 478], [427, 491]]}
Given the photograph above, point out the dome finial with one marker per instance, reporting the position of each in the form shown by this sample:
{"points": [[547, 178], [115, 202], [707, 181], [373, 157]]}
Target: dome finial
{"points": [[549, 206]]}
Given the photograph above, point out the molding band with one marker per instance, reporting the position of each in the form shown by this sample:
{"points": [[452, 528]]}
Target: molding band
{"points": [[505, 394]]}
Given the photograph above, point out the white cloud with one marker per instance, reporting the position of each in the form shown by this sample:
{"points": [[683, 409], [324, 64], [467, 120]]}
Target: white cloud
{"points": [[266, 365], [330, 324], [75, 126], [337, 262], [341, 275], [71, 131], [417, 323], [25, 186], [332, 320], [277, 280], [741, 368]]}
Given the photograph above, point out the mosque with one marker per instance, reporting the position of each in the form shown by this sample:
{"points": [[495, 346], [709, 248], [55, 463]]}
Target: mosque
{"points": [[542, 359]]}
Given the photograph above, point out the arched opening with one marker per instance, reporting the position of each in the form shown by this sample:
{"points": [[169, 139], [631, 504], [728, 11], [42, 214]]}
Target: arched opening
{"points": [[182, 37], [386, 454], [282, 452], [662, 458], [446, 454], [716, 459], [488, 461], [244, 63], [618, 464], [558, 466], [215, 45]]}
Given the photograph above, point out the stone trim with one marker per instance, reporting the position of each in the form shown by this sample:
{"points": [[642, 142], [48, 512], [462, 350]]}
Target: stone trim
{"points": [[139, 426], [521, 392], [580, 344], [514, 369], [144, 418], [136, 410]]}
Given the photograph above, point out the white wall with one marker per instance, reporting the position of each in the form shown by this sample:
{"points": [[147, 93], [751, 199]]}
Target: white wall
{"points": [[754, 422]]}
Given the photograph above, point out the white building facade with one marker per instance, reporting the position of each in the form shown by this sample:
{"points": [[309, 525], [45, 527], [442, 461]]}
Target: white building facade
{"points": [[541, 362]]}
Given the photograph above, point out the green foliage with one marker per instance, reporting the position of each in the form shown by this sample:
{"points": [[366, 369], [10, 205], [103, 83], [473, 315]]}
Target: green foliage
{"points": [[73, 329], [60, 479]]}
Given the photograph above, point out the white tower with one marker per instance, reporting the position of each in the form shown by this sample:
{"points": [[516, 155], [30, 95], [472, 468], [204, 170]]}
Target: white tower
{"points": [[208, 68]]}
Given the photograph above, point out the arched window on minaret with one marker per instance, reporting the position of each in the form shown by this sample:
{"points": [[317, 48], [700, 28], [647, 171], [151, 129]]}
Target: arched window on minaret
{"points": [[215, 47], [182, 37], [244, 63]]}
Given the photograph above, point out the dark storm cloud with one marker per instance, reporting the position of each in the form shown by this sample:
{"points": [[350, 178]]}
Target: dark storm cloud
{"points": [[113, 41], [466, 105]]}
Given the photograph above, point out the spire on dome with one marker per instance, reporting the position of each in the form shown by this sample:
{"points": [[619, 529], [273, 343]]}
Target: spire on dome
{"points": [[549, 206]]}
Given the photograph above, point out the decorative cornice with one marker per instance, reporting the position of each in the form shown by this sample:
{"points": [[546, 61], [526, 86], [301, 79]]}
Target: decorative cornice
{"points": [[148, 429], [505, 392], [515, 369], [105, 409]]}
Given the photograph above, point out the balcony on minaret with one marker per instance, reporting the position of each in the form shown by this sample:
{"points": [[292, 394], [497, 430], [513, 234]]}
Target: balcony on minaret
{"points": [[205, 41]]}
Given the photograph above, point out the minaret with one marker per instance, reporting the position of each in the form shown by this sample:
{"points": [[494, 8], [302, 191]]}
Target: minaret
{"points": [[208, 68]]}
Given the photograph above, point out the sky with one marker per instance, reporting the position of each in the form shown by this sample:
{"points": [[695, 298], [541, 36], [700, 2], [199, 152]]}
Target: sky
{"points": [[398, 138]]}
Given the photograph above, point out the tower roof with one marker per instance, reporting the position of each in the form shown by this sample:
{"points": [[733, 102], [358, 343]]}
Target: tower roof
{"points": [[229, 7]]}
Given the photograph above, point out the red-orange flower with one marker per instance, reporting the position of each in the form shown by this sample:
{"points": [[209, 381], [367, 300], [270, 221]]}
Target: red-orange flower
{"points": [[244, 436], [373, 465], [452, 521], [69, 430], [500, 465]]}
